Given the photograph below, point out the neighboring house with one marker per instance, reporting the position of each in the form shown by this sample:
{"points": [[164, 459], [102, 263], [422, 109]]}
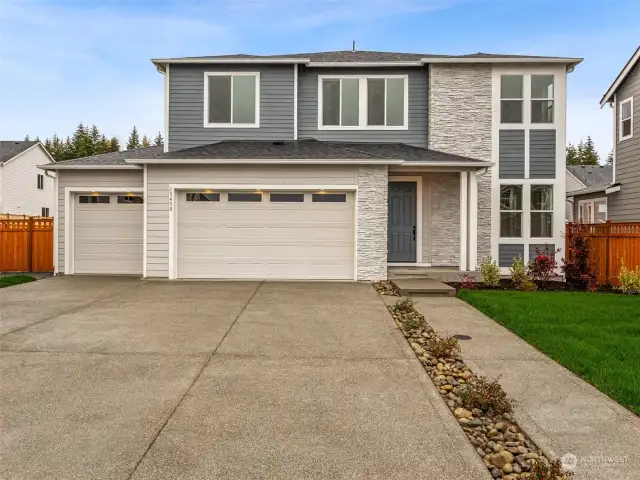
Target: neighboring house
{"points": [[586, 198], [24, 188], [333, 165], [624, 97]]}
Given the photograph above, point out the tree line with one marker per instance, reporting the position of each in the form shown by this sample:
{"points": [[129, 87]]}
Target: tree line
{"points": [[89, 140], [585, 153]]}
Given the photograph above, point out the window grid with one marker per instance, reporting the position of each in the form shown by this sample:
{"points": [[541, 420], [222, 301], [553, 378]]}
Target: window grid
{"points": [[539, 212], [514, 211], [511, 99]]}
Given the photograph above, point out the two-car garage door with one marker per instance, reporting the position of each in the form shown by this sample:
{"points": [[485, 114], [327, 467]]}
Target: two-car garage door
{"points": [[256, 234]]}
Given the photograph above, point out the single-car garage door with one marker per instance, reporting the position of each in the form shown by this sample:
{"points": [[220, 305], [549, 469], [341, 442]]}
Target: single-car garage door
{"points": [[108, 231], [266, 235]]}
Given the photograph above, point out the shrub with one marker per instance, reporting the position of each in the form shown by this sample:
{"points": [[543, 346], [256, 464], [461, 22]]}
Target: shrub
{"points": [[405, 312], [447, 347], [629, 280], [528, 286], [543, 471], [518, 272], [490, 272], [543, 266], [468, 282], [484, 395], [576, 267]]}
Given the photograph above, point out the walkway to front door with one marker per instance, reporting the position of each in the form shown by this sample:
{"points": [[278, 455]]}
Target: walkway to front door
{"points": [[401, 241]]}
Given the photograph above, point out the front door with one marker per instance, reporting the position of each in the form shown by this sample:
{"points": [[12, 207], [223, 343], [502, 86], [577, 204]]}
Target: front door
{"points": [[401, 241]]}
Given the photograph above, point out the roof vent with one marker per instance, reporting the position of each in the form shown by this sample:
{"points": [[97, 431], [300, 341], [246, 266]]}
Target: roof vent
{"points": [[279, 142]]}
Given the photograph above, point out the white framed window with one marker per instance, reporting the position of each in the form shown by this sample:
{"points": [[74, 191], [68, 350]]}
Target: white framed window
{"points": [[592, 210], [372, 102], [511, 98], [40, 181], [511, 211], [542, 98], [626, 119], [541, 213], [232, 99]]}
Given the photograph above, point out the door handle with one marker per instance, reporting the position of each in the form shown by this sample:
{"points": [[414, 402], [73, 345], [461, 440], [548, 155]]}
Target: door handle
{"points": [[414, 232]]}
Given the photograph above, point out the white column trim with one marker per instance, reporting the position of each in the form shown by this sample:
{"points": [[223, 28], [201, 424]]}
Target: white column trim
{"points": [[295, 101], [473, 221], [144, 222], [463, 219], [166, 109], [56, 224]]}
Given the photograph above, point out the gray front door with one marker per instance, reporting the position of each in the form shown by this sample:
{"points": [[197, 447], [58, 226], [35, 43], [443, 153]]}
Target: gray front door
{"points": [[401, 242]]}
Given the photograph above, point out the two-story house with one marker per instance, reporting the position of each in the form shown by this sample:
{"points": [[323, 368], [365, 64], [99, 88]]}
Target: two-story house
{"points": [[623, 195], [331, 165]]}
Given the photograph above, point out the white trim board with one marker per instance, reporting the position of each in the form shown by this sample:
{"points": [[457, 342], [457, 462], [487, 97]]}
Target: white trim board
{"points": [[174, 212], [69, 194], [419, 213], [620, 78], [166, 109]]}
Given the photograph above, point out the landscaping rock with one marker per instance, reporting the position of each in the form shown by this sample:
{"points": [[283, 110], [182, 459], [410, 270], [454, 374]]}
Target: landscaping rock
{"points": [[507, 468], [462, 413], [495, 473], [500, 459]]}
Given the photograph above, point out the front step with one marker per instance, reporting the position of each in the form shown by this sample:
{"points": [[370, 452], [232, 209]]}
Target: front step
{"points": [[423, 287]]}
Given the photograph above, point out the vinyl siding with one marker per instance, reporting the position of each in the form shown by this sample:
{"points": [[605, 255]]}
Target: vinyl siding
{"points": [[416, 134], [19, 184], [160, 177], [186, 105], [507, 252], [624, 206], [511, 161], [93, 180], [549, 247], [542, 154]]}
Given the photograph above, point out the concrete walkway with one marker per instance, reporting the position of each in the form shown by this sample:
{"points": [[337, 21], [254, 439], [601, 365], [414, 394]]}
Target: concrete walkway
{"points": [[107, 378], [562, 413]]}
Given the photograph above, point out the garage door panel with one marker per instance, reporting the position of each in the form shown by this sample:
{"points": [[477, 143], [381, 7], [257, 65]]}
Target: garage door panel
{"points": [[298, 240]]}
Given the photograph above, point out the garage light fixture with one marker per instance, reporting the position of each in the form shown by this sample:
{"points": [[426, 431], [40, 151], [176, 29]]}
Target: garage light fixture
{"points": [[95, 194], [208, 190]]}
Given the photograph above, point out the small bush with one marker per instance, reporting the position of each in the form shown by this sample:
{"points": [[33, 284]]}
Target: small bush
{"points": [[552, 471], [490, 272], [528, 286], [576, 267], [447, 347], [543, 266], [468, 282], [404, 310], [518, 272], [484, 394], [629, 280]]}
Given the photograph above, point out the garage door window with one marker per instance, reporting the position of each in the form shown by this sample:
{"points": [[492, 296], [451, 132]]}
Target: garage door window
{"points": [[329, 197], [130, 199], [203, 197], [245, 197], [286, 197], [95, 199]]}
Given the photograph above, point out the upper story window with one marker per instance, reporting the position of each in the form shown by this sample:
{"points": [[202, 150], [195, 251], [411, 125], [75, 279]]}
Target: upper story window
{"points": [[368, 102], [541, 98], [40, 181], [511, 98], [626, 119], [231, 100]]}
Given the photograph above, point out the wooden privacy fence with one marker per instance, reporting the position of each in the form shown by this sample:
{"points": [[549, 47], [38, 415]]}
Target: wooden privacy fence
{"points": [[26, 244], [610, 244]]}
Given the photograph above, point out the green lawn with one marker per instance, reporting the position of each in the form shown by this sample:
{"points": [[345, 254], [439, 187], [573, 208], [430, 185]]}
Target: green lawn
{"points": [[11, 280], [595, 335]]}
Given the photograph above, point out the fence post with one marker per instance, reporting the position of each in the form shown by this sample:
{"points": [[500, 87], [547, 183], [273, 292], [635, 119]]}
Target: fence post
{"points": [[606, 250], [30, 244]]}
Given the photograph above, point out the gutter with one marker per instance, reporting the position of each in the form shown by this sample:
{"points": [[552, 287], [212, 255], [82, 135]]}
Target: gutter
{"points": [[54, 166], [257, 161]]}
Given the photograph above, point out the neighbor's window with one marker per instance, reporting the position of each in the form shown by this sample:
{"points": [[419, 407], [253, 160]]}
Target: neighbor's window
{"points": [[364, 102], [542, 211], [45, 212], [329, 197], [94, 199], [232, 99], [542, 98], [511, 211], [203, 197], [245, 197], [511, 98], [626, 119], [40, 182], [133, 199]]}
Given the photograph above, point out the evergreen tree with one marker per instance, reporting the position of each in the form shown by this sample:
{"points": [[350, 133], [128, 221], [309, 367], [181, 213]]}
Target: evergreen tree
{"points": [[145, 141], [134, 139], [610, 158], [114, 144], [95, 145], [572, 155], [589, 153], [158, 140], [26, 138], [81, 144]]}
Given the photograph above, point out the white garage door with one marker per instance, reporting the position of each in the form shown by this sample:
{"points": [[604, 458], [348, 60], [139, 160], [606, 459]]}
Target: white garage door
{"points": [[266, 235], [107, 235]]}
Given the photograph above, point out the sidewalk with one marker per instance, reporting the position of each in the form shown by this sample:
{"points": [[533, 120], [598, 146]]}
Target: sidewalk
{"points": [[562, 413]]}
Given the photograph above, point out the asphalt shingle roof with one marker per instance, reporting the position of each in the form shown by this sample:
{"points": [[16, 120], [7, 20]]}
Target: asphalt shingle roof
{"points": [[114, 158], [11, 148], [592, 175]]}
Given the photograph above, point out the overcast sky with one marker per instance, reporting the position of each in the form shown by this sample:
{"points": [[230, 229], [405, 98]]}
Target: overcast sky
{"points": [[68, 61]]}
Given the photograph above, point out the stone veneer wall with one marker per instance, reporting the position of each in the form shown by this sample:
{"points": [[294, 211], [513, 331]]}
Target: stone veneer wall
{"points": [[460, 123], [444, 227], [372, 213]]}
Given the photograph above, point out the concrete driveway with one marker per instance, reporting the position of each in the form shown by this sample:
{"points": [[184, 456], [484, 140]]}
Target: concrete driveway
{"points": [[118, 378]]}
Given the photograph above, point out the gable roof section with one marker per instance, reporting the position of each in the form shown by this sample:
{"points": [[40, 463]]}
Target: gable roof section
{"points": [[626, 70], [11, 148], [363, 57], [106, 160], [592, 175]]}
